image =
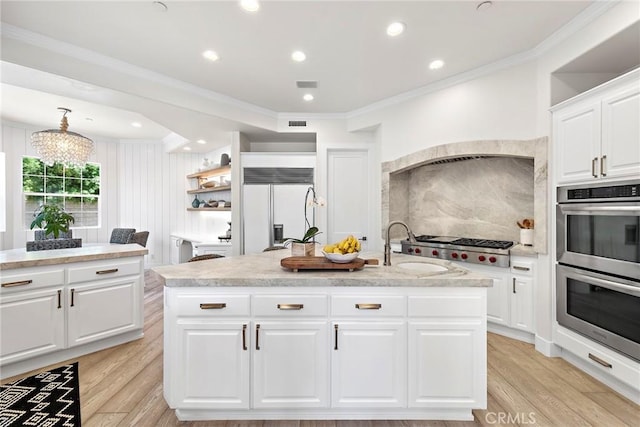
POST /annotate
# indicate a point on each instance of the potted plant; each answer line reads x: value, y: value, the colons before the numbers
x: 54, y: 222
x: 304, y: 246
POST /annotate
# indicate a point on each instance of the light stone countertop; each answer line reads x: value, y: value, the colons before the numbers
x: 264, y: 270
x: 20, y: 258
x: 522, y: 250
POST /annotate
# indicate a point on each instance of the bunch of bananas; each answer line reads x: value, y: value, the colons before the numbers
x: 345, y: 246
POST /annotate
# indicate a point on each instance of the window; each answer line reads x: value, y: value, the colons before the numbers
x: 77, y: 190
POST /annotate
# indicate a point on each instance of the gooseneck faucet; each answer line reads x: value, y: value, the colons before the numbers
x: 387, y: 242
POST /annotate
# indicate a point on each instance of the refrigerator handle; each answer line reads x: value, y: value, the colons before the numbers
x: 271, y: 215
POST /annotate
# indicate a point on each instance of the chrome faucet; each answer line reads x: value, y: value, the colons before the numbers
x: 387, y: 243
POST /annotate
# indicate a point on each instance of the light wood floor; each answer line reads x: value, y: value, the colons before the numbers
x: 122, y: 386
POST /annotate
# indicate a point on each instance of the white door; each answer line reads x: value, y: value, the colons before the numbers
x: 443, y: 371
x: 212, y: 365
x: 577, y: 137
x: 255, y: 217
x: 102, y: 309
x: 348, y: 198
x: 522, y: 303
x: 32, y: 323
x: 369, y: 364
x: 291, y: 367
x: 621, y: 133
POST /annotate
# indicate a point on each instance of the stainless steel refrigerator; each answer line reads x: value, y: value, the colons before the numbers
x: 273, y: 206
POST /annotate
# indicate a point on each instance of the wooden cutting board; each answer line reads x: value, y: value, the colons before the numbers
x: 296, y: 263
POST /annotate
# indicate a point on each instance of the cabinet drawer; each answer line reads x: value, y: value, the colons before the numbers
x: 31, y: 280
x: 446, y: 306
x: 213, y: 305
x: 368, y: 306
x: 103, y: 270
x: 290, y: 305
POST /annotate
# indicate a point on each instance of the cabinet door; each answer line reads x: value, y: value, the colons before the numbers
x: 498, y: 300
x: 32, y: 323
x: 621, y: 133
x: 522, y: 303
x: 368, y: 364
x: 447, y: 364
x: 101, y: 309
x: 577, y: 138
x: 211, y: 365
x: 291, y: 368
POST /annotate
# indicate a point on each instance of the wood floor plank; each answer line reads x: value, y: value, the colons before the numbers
x: 317, y: 423
x: 624, y: 409
x: 111, y: 419
x: 281, y: 423
x: 148, y: 411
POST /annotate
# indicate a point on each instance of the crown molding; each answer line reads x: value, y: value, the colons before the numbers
x: 89, y: 56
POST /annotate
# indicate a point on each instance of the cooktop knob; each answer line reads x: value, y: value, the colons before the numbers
x: 481, y: 258
x: 463, y: 256
x: 492, y: 259
x: 418, y: 250
x: 434, y: 252
x: 410, y: 250
x: 454, y: 255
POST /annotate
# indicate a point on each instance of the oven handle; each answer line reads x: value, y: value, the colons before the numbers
x: 627, y: 289
x: 590, y: 209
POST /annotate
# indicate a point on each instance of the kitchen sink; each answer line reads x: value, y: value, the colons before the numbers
x: 422, y: 267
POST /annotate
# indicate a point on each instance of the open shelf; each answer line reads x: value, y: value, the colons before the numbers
x: 224, y: 170
x: 210, y: 190
x: 208, y: 209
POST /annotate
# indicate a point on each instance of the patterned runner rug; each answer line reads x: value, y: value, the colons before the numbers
x: 46, y: 399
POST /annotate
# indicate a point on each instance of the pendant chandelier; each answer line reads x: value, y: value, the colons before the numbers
x: 62, y: 146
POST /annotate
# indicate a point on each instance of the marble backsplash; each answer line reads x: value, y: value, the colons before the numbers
x: 481, y: 198
x: 500, y: 182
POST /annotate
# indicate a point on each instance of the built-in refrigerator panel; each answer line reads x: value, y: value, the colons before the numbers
x: 256, y: 205
x: 288, y: 210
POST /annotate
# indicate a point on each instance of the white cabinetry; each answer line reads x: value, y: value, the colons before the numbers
x: 327, y: 354
x: 596, y: 134
x: 49, y: 314
x: 521, y: 296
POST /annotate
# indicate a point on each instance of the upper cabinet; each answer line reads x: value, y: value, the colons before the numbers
x: 211, y: 181
x: 597, y: 134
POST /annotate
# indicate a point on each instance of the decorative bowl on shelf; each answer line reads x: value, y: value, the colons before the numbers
x: 341, y: 258
x: 209, y: 184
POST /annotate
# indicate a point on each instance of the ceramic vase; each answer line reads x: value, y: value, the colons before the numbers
x: 303, y: 249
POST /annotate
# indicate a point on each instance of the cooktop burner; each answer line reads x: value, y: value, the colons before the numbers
x: 483, y: 243
x: 463, y: 249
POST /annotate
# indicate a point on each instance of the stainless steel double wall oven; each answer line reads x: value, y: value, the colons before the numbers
x: 598, y: 270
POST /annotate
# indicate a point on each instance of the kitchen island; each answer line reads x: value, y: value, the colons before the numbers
x: 63, y: 303
x: 248, y: 339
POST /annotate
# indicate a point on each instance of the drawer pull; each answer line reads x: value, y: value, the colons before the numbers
x: 514, y: 285
x: 59, y: 298
x: 368, y: 306
x: 258, y: 336
x: 335, y: 328
x: 290, y: 306
x: 112, y: 270
x: 20, y: 283
x: 73, y: 292
x: 600, y: 361
x: 244, y: 337
x: 517, y: 267
x: 213, y: 305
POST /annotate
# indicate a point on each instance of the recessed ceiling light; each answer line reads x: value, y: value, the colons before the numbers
x: 136, y: 124
x: 395, y: 29
x: 307, y: 97
x: 436, y: 64
x: 160, y: 6
x: 298, y: 56
x: 201, y: 141
x: 485, y: 5
x: 210, y: 55
x: 250, y: 5
x: 186, y: 148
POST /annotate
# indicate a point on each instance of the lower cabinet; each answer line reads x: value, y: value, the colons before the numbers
x: 322, y: 355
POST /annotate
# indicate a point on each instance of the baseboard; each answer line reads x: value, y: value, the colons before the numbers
x: 546, y: 347
x: 511, y: 333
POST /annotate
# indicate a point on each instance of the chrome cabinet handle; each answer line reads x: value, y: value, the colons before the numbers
x: 593, y: 167
x: 213, y: 305
x: 112, y: 270
x: 20, y: 283
x: 244, y: 337
x: 59, y: 298
x: 73, y: 291
x: 517, y: 267
x: 258, y: 336
x: 602, y: 165
x: 335, y: 328
x: 514, y: 285
x: 368, y: 306
x: 290, y: 306
x: 600, y: 361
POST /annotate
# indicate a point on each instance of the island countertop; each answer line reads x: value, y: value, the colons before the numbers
x: 264, y: 270
x: 20, y: 258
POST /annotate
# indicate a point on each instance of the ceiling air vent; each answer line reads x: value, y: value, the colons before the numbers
x: 297, y: 123
x: 307, y: 84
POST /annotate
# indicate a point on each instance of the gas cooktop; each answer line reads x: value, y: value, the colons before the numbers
x: 464, y: 249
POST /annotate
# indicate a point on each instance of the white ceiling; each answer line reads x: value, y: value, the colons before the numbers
x: 348, y: 52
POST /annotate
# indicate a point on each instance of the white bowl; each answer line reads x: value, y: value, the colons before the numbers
x: 341, y: 258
